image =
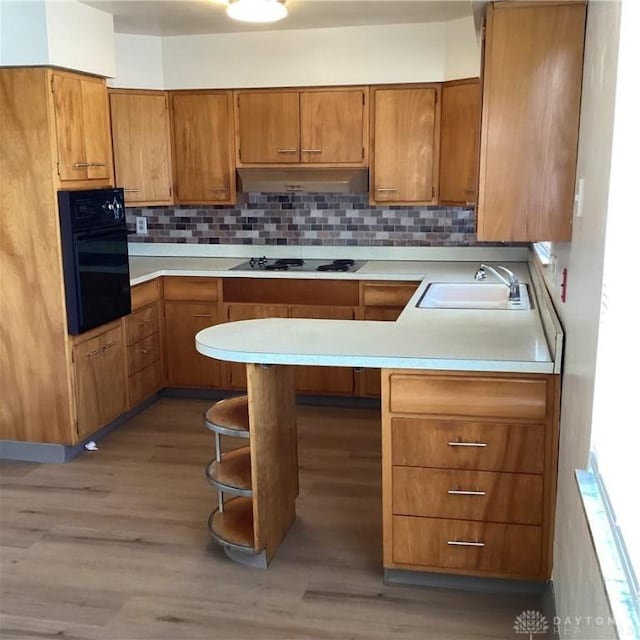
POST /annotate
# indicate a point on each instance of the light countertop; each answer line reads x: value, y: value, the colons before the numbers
x: 445, y: 339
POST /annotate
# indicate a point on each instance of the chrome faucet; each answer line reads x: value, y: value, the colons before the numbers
x: 513, y: 283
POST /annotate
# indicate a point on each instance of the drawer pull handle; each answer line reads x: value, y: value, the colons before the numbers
x: 462, y: 492
x: 386, y: 189
x: 145, y: 351
x: 464, y: 543
x: 81, y: 165
x: 287, y: 150
x: 131, y: 190
x: 457, y: 443
x: 312, y: 151
x: 97, y: 164
x: 203, y: 315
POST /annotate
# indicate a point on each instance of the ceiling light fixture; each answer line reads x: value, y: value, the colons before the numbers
x: 257, y: 10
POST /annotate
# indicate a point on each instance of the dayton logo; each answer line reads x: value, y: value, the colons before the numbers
x: 532, y: 623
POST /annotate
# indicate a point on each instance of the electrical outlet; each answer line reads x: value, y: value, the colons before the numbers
x: 141, y: 225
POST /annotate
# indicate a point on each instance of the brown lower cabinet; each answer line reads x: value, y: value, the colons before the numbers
x: 100, y: 378
x: 469, y: 469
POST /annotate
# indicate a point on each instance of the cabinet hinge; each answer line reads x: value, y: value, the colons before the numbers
x: 363, y: 153
x: 433, y: 192
x: 363, y: 100
x: 53, y: 84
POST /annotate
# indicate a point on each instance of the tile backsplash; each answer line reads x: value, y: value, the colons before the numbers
x: 307, y: 219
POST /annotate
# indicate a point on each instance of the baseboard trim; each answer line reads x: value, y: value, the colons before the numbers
x: 469, y: 583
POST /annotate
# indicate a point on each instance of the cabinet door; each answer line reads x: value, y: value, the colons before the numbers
x: 324, y: 379
x: 140, y: 129
x: 333, y: 126
x: 459, y: 129
x: 100, y: 378
x: 82, y: 128
x: 404, y: 145
x: 240, y: 311
x: 530, y: 116
x: 203, y: 147
x: 185, y: 366
x: 268, y: 127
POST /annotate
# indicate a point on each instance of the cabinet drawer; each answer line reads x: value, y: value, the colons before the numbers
x: 387, y: 295
x: 469, y: 546
x: 496, y: 397
x: 145, y: 293
x: 145, y: 383
x: 143, y: 353
x: 468, y: 495
x: 141, y: 324
x: 468, y: 445
x: 188, y: 288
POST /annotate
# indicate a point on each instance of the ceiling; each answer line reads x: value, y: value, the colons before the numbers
x: 186, y: 17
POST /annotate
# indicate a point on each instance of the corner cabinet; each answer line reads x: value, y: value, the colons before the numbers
x: 324, y: 127
x: 530, y: 117
x: 141, y: 145
x: 82, y: 128
x: 469, y: 472
x: 405, y: 123
x: 203, y: 149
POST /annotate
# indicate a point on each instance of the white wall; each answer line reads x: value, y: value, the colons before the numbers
x: 578, y: 584
x: 61, y: 33
x: 335, y: 56
x: 23, y: 33
x: 332, y: 56
x: 138, y: 62
x: 462, y: 49
x: 80, y: 38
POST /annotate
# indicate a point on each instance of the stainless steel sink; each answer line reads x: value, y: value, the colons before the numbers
x: 472, y: 295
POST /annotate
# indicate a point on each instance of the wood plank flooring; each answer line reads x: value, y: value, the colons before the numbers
x: 114, y: 546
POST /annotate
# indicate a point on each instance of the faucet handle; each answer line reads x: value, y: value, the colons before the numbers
x: 481, y: 274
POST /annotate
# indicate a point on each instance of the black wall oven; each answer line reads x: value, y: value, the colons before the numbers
x: 95, y: 257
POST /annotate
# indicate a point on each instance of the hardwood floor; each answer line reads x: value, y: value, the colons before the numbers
x: 114, y: 546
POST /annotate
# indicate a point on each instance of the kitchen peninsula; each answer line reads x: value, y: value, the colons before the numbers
x: 470, y: 402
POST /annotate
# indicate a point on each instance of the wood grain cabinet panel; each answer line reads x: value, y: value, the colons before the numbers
x: 468, y: 495
x: 532, y: 82
x: 82, y: 127
x: 333, y: 126
x: 143, y: 353
x: 100, y: 377
x: 404, y: 144
x: 142, y: 323
x: 192, y: 289
x: 497, y: 397
x: 469, y: 471
x: 145, y: 293
x: 141, y: 145
x: 453, y: 444
x: 468, y: 547
x: 324, y: 127
x: 185, y: 366
x: 144, y: 383
x: 268, y: 127
x: 203, y: 147
x: 459, y: 140
x: 324, y: 380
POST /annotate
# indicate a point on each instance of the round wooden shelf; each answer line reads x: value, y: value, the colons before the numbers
x: 229, y: 417
x: 234, y: 526
x: 233, y: 473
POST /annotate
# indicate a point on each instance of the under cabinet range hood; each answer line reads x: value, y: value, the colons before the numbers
x: 303, y: 180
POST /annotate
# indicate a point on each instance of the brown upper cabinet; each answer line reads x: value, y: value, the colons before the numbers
x: 141, y: 153
x: 404, y: 144
x: 202, y: 128
x: 530, y: 116
x: 82, y: 127
x: 311, y: 127
x: 459, y: 138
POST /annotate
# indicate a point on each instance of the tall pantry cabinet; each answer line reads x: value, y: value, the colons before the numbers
x: 55, y: 126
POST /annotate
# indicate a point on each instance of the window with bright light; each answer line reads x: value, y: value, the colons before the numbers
x: 616, y: 411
